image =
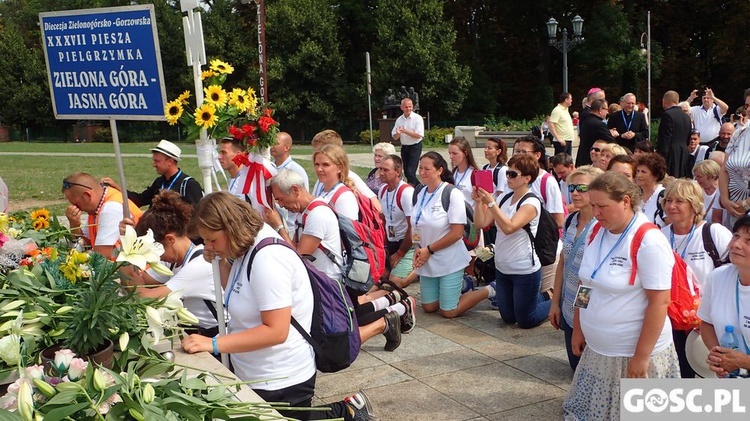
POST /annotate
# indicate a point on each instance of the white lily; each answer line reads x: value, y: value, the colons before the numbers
x: 10, y: 349
x: 155, y: 324
x: 174, y: 301
x: 142, y: 251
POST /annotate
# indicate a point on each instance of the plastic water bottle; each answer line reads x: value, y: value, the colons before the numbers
x: 729, y: 341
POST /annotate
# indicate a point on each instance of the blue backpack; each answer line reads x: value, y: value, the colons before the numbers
x: 334, y: 332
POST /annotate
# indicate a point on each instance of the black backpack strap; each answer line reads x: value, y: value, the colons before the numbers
x: 183, y: 185
x: 527, y: 227
x: 195, y: 254
x: 569, y: 220
x: 496, y: 175
x: 417, y: 189
x: 445, y: 196
x: 505, y: 199
x: 709, y: 245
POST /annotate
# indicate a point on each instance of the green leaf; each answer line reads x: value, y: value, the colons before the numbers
x: 65, y: 411
x: 63, y: 398
x: 6, y: 415
x: 216, y: 393
x: 194, y: 383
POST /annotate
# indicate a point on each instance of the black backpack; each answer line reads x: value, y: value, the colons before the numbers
x: 547, y: 232
x: 471, y: 233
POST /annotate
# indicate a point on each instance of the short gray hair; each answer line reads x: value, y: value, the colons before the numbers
x: 285, y: 179
x: 385, y: 147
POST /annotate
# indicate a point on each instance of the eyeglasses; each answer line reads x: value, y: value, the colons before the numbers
x: 521, y: 152
x: 68, y: 184
x: 580, y: 188
x: 512, y: 173
x: 596, y: 149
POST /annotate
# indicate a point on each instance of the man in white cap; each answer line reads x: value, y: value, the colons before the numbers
x: 165, y: 157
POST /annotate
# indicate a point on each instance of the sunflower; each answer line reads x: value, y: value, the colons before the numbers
x: 215, y: 95
x: 221, y: 67
x: 40, y: 214
x: 252, y: 100
x: 173, y: 111
x: 184, y: 97
x: 207, y: 74
x: 238, y: 98
x: 40, y: 224
x: 205, y: 116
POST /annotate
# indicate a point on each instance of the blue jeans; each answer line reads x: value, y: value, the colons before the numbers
x: 519, y: 300
x: 568, y: 330
x: 410, y: 154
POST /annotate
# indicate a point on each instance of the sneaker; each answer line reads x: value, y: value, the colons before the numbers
x: 468, y: 284
x: 360, y: 407
x: 392, y: 331
x: 409, y: 319
x: 391, y: 286
x: 493, y: 300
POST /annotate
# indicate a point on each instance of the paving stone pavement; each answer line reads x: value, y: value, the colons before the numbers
x: 474, y: 367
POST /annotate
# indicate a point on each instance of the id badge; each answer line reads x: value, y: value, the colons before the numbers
x: 583, y: 295
x: 391, y: 231
x: 415, y: 237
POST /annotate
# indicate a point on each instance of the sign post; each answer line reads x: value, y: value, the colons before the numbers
x: 104, y: 64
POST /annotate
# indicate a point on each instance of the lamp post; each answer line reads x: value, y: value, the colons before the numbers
x: 646, y: 50
x: 566, y: 44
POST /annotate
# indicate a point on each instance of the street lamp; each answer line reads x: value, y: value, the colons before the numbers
x: 566, y: 44
x: 646, y: 50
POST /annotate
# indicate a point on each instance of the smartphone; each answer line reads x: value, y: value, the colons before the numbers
x: 483, y: 179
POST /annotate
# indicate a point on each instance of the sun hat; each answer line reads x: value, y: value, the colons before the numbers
x: 697, y: 353
x: 169, y: 149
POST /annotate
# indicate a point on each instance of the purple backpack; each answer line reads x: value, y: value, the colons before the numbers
x: 334, y: 333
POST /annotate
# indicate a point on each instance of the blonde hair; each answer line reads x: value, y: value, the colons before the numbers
x: 617, y: 186
x: 689, y: 191
x: 614, y: 149
x: 327, y: 137
x: 709, y: 168
x: 338, y: 156
x: 588, y: 170
x: 222, y: 211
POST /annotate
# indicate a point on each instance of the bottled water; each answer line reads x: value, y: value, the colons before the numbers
x: 729, y: 340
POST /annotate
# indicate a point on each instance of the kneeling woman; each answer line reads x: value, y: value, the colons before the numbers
x: 261, y: 301
x: 622, y: 325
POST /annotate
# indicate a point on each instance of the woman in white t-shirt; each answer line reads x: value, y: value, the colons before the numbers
x: 496, y: 153
x: 518, y: 271
x: 706, y: 173
x: 464, y: 164
x: 261, y: 301
x: 192, y: 276
x: 335, y: 187
x: 650, y: 170
x: 621, y: 330
x: 726, y: 302
x: 683, y: 203
x: 440, y: 255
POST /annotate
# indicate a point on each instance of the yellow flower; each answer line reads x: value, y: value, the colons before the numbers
x: 184, y: 97
x: 205, y: 116
x: 221, y: 67
x: 215, y: 95
x: 4, y: 219
x: 252, y: 100
x: 40, y: 214
x: 173, y: 111
x: 207, y: 74
x: 40, y: 224
x: 238, y: 98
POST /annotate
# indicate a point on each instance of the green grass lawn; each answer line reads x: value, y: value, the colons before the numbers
x: 36, y: 179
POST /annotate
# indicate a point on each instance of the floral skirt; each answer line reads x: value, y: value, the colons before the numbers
x: 595, y: 391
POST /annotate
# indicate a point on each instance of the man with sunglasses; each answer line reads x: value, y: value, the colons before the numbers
x: 103, y: 206
x: 593, y: 128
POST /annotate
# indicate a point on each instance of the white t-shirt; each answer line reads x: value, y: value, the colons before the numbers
x: 108, y: 232
x: 431, y: 222
x: 649, y: 206
x: 517, y: 251
x: 413, y: 123
x: 502, y: 179
x: 278, y: 279
x: 359, y: 184
x: 709, y: 202
x: 700, y: 153
x: 321, y: 223
x: 552, y: 198
x: 719, y: 304
x: 195, y: 282
x: 462, y: 181
x: 395, y: 212
x: 705, y: 121
x: 613, y: 320
x: 346, y: 203
x: 692, y: 251
x: 237, y: 184
x: 290, y: 217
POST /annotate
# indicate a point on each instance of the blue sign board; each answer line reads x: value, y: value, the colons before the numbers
x: 104, y: 63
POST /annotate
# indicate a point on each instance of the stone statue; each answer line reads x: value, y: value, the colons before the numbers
x: 414, y: 96
x: 390, y: 99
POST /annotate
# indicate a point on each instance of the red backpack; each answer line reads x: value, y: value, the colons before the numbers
x: 685, y: 294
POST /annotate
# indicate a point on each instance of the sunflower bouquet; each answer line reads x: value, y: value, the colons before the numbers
x: 39, y: 225
x: 236, y: 112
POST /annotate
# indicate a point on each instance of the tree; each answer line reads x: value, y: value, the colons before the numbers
x: 416, y: 48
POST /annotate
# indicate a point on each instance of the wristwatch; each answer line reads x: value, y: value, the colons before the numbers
x: 491, y: 205
x: 279, y: 228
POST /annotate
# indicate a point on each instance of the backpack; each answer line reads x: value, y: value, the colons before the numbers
x: 547, y: 232
x: 685, y: 294
x: 399, y: 193
x: 363, y: 243
x: 543, y: 190
x: 709, y: 246
x: 471, y: 233
x: 334, y: 332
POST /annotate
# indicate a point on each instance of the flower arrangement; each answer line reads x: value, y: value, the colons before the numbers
x: 39, y: 225
x: 237, y: 113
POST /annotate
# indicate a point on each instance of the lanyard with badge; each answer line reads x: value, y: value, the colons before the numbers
x: 415, y: 237
x: 234, y: 281
x: 173, y: 180
x: 584, y: 292
x: 389, y: 204
x: 625, y: 119
x: 458, y: 183
x: 687, y: 242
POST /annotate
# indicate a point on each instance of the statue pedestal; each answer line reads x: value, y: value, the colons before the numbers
x: 4, y: 134
x: 385, y: 125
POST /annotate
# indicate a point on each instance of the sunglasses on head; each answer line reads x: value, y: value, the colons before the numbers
x: 68, y: 184
x: 580, y: 188
x: 512, y: 174
x: 595, y: 149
